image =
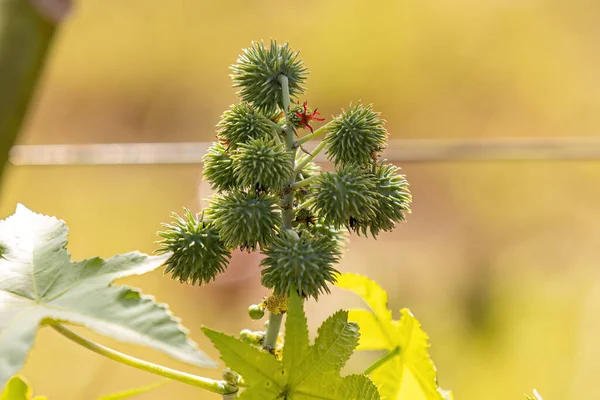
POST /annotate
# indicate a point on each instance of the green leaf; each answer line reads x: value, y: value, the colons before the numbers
x: 18, y: 389
x: 245, y: 359
x: 359, y: 387
x: 335, y: 343
x: 260, y: 392
x: 306, y: 372
x: 409, y: 376
x: 134, y: 392
x: 39, y: 284
x: 296, y: 335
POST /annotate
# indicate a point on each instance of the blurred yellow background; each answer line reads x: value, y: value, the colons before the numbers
x: 498, y: 260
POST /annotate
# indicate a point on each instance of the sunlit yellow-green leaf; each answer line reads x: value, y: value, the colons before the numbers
x: 17, y: 389
x: 372, y: 294
x: 372, y: 332
x: 409, y: 376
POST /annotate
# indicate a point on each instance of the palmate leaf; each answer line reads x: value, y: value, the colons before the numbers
x: 409, y: 376
x: 306, y: 372
x: 39, y: 284
x: 335, y: 343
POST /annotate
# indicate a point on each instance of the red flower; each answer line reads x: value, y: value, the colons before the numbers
x: 306, y: 117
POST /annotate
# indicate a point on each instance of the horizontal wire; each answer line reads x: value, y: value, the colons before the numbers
x: 399, y: 150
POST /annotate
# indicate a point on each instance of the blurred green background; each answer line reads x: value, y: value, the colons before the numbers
x: 498, y: 260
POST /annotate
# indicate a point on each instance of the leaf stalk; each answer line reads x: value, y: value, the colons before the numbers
x: 382, y: 360
x: 315, y: 134
x: 304, y: 182
x: 311, y: 157
x: 220, y: 387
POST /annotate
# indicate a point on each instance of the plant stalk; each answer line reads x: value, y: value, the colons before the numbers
x: 272, y: 331
x: 273, y: 124
x: 288, y: 214
x: 277, y: 129
x: 220, y: 387
x: 27, y: 29
x: 287, y: 205
x: 382, y: 360
x: 305, y: 182
x: 311, y: 157
x: 314, y: 134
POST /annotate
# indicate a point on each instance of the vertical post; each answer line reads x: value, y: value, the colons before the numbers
x: 27, y: 28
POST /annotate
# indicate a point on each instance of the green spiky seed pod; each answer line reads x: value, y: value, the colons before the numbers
x: 198, y: 253
x: 245, y: 220
x: 308, y: 170
x: 218, y: 168
x: 255, y: 311
x: 393, y: 200
x: 304, y: 216
x: 241, y: 123
x: 344, y: 196
x: 262, y: 164
x: 257, y: 70
x: 305, y: 264
x: 355, y: 136
x: 325, y: 232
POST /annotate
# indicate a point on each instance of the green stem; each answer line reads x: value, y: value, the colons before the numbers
x: 276, y: 135
x: 304, y: 182
x: 273, y: 124
x: 26, y: 35
x: 382, y: 360
x: 220, y: 387
x: 311, y: 157
x: 285, y: 93
x: 272, y: 331
x: 307, y: 204
x: 277, y: 129
x: 287, y: 206
x: 314, y: 134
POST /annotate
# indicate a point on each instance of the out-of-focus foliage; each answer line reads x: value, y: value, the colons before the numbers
x: 17, y: 389
x: 536, y: 396
x: 496, y: 255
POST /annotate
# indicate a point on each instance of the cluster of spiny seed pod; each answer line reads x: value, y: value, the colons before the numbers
x: 271, y: 197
